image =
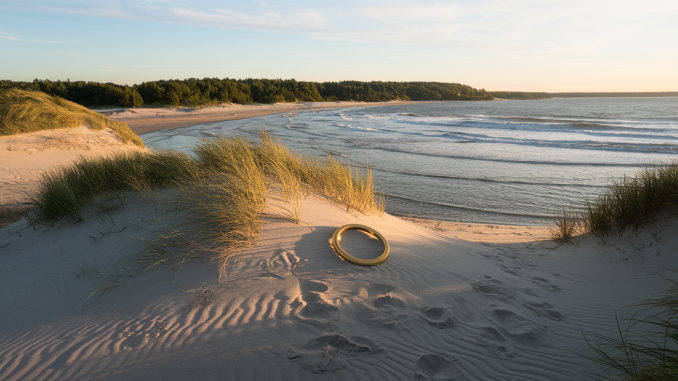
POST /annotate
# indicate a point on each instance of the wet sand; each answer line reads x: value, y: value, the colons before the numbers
x: 146, y: 120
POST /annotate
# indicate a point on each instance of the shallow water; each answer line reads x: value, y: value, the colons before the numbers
x: 513, y: 162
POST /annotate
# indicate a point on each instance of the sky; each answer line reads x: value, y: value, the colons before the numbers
x: 522, y: 45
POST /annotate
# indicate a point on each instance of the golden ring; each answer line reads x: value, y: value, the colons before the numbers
x: 356, y: 261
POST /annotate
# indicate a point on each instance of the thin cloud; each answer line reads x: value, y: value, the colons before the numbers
x: 303, y: 21
x: 576, y: 26
x: 528, y: 25
x: 21, y: 39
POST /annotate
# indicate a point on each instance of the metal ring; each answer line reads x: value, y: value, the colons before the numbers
x: 357, y: 261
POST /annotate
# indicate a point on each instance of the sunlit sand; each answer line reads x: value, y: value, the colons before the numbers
x: 512, y: 306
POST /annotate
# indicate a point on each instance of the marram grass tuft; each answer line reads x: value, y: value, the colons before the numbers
x: 23, y: 111
x: 221, y: 193
x: 629, y: 202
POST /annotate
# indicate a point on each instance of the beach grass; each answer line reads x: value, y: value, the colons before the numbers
x: 65, y: 191
x: 565, y: 226
x: 647, y: 350
x: 221, y: 191
x: 24, y: 111
x: 629, y: 202
x: 652, y: 353
x: 339, y: 181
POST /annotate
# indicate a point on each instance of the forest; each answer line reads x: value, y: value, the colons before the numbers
x: 206, y: 91
x: 88, y: 94
x: 522, y: 95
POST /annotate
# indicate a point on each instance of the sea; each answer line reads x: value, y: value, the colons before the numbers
x: 499, y: 162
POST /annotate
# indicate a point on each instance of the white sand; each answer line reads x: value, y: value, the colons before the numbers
x: 24, y: 158
x: 291, y: 309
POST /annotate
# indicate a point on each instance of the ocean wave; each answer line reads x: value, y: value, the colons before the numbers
x: 344, y: 117
x: 545, y: 124
x: 486, y: 180
x: 372, y: 117
x: 594, y: 145
x: 500, y: 160
x: 356, y: 127
x: 291, y: 127
x: 574, y: 119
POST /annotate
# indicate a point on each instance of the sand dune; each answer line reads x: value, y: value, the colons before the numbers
x: 24, y: 158
x: 289, y: 308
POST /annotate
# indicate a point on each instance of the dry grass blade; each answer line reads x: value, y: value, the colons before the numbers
x: 221, y: 194
x: 627, y: 203
x: 565, y: 226
x: 64, y: 191
x: 651, y: 354
x: 23, y: 111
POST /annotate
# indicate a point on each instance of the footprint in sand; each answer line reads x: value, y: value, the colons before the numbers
x: 513, y: 270
x: 287, y: 259
x: 438, y: 317
x: 388, y: 301
x: 544, y: 309
x: 436, y: 367
x: 518, y: 328
x: 509, y: 332
x: 385, y: 297
x: 493, y: 287
x: 495, y: 340
x: 314, y: 294
x: 332, y: 352
x: 545, y: 284
x: 141, y: 333
x: 380, y: 289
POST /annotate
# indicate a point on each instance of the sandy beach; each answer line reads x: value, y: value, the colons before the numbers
x: 452, y: 302
x: 485, y: 232
x: 145, y: 120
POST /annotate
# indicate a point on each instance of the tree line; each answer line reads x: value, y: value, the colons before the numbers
x: 89, y: 94
x: 522, y: 95
x: 196, y: 92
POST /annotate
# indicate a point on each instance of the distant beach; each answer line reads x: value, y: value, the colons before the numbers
x: 145, y: 120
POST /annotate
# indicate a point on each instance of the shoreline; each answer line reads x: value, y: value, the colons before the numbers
x: 14, y: 206
x: 146, y: 120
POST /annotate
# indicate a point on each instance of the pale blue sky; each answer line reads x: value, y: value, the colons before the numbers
x: 533, y: 45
